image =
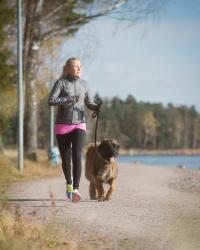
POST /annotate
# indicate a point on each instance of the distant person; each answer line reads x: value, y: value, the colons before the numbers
x: 70, y: 93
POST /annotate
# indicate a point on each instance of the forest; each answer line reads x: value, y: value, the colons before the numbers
x: 148, y: 125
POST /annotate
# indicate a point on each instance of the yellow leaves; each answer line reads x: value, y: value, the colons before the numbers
x: 49, y: 48
x: 8, y: 100
x: 46, y: 62
x: 150, y: 123
x: 42, y: 90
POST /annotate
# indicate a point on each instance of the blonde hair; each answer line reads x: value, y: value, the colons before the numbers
x: 68, y: 64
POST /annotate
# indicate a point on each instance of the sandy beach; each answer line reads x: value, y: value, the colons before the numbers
x: 152, y: 208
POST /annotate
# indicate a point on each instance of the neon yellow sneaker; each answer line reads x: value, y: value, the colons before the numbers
x: 69, y: 191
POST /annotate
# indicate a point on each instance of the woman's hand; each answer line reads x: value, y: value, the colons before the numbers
x: 98, y: 107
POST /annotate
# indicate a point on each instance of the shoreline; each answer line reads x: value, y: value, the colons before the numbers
x: 170, y: 152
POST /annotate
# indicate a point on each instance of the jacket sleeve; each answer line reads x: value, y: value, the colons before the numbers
x: 89, y: 104
x: 55, y: 98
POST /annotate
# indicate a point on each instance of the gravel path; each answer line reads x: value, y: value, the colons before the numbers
x: 147, y: 211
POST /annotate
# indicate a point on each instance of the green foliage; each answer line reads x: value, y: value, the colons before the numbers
x: 6, y: 17
x: 149, y: 125
x: 7, y: 70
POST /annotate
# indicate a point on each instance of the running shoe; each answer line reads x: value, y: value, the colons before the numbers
x: 76, y: 196
x: 69, y: 191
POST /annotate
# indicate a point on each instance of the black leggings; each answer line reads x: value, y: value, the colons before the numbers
x: 70, y: 146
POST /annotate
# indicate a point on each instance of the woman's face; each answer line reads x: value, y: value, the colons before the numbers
x: 74, y: 69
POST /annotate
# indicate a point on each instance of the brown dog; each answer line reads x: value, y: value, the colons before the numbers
x: 101, y: 167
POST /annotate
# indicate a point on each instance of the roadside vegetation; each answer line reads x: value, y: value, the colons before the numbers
x: 32, y: 170
x: 17, y: 232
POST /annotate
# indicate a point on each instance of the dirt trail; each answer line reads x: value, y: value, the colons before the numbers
x: 145, y: 212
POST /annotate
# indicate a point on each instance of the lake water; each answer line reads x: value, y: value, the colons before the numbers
x: 160, y: 160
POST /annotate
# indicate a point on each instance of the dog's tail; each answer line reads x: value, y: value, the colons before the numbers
x: 89, y: 162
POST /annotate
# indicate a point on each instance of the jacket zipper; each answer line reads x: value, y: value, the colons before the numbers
x: 75, y: 88
x: 74, y: 102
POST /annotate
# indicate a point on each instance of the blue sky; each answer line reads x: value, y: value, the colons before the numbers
x: 156, y: 60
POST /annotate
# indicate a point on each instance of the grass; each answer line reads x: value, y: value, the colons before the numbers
x: 17, y: 232
x: 32, y: 170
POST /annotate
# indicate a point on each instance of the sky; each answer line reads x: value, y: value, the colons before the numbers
x: 156, y: 60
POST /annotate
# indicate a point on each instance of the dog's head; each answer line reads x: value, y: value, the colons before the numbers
x: 108, y: 148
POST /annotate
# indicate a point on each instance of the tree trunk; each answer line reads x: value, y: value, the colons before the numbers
x: 31, y: 37
x: 186, y: 131
x: 195, y: 134
x: 31, y: 104
x: 31, y: 120
x: 2, y: 151
x: 145, y: 140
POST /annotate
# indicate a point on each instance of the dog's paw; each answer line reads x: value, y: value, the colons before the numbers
x: 107, y: 198
x: 93, y: 198
x: 102, y: 198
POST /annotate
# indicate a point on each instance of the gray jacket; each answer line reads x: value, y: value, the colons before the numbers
x: 70, y: 94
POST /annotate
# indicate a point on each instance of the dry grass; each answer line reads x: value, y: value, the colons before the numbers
x: 8, y: 173
x: 16, y: 232
x: 32, y: 170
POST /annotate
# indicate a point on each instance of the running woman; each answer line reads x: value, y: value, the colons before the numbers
x: 70, y: 94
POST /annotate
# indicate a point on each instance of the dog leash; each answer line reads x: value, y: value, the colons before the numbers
x: 96, y: 114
